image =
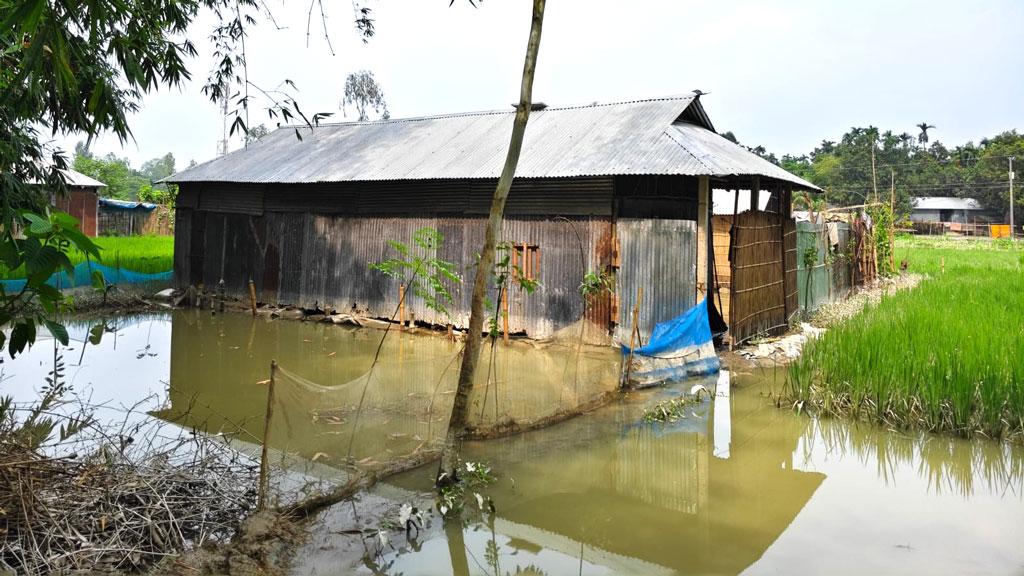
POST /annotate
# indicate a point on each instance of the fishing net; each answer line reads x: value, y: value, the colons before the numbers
x: 82, y: 276
x: 398, y: 407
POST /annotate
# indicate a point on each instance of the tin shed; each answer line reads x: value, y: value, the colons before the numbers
x: 622, y: 188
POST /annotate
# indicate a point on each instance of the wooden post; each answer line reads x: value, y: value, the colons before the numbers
x: 504, y: 313
x: 264, y: 464
x: 401, y: 306
x: 733, y: 232
x: 703, y: 201
x: 515, y: 262
x: 526, y: 262
x: 784, y: 214
x: 633, y: 332
x: 755, y: 194
x: 252, y: 296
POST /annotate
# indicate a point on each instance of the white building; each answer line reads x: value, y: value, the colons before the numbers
x: 945, y: 209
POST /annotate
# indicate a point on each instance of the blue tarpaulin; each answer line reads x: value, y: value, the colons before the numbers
x: 82, y: 276
x: 126, y: 204
x: 678, y: 349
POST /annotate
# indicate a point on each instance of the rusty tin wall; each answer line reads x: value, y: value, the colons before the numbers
x: 322, y: 261
x: 660, y: 257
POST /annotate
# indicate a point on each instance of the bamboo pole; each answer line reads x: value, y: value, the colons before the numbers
x: 526, y: 262
x: 633, y: 332
x: 264, y: 464
x: 252, y: 296
x: 401, y: 306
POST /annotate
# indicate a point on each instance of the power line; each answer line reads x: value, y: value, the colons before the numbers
x: 934, y: 161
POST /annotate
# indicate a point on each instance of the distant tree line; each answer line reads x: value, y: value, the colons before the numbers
x: 127, y: 183
x: 914, y: 165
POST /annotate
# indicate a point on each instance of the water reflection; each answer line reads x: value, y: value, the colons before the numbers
x: 334, y: 404
x: 606, y: 495
x: 738, y: 485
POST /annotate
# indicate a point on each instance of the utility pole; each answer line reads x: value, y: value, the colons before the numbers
x: 874, y: 176
x: 892, y: 222
x: 222, y: 146
x: 1012, y: 236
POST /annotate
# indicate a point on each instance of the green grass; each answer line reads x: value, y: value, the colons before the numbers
x: 146, y: 254
x: 945, y: 356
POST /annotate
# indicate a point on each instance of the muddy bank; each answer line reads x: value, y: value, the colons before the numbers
x: 780, y: 351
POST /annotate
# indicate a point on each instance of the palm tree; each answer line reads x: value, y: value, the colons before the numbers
x: 923, y: 136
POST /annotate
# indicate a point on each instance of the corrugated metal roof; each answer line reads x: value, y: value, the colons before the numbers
x: 74, y: 178
x: 946, y: 203
x: 638, y: 137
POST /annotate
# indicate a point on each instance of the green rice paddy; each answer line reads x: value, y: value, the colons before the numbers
x: 145, y: 254
x: 945, y: 356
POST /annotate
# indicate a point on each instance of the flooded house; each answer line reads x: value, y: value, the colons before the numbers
x: 623, y: 189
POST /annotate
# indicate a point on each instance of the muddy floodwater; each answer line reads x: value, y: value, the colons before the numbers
x: 737, y: 485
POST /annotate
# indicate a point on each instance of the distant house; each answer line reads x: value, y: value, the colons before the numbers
x: 934, y: 209
x: 624, y: 189
x: 81, y: 200
x: 130, y: 218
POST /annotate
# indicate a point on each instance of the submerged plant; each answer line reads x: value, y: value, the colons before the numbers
x: 676, y: 408
x: 472, y: 476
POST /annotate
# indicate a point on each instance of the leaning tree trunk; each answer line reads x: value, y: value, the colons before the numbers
x: 474, y: 342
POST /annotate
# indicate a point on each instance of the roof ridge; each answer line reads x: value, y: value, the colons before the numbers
x: 490, y: 112
x: 687, y: 150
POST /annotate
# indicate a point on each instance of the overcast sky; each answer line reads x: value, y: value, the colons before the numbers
x: 784, y: 74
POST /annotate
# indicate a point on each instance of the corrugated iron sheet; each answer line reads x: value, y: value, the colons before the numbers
x: 74, y: 178
x: 710, y: 154
x: 660, y: 257
x: 322, y: 261
x: 639, y: 137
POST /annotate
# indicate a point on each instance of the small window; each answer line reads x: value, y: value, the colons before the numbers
x: 526, y: 261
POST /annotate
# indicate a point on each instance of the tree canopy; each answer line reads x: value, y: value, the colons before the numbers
x: 915, y: 165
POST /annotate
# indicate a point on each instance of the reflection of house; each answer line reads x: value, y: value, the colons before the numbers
x: 947, y: 209
x: 624, y: 188
x: 80, y: 200
x: 662, y: 495
x: 128, y: 218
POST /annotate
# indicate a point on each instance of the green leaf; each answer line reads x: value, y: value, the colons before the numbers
x: 38, y: 225
x: 98, y: 281
x: 83, y: 243
x: 20, y: 337
x: 57, y: 330
x: 96, y: 334
x: 64, y: 220
x: 46, y: 260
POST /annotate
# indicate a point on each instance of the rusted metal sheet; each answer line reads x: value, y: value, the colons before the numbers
x: 660, y: 257
x: 323, y: 261
x: 82, y: 204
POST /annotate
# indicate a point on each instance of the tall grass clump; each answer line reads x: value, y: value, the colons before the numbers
x: 947, y: 356
x: 145, y: 254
